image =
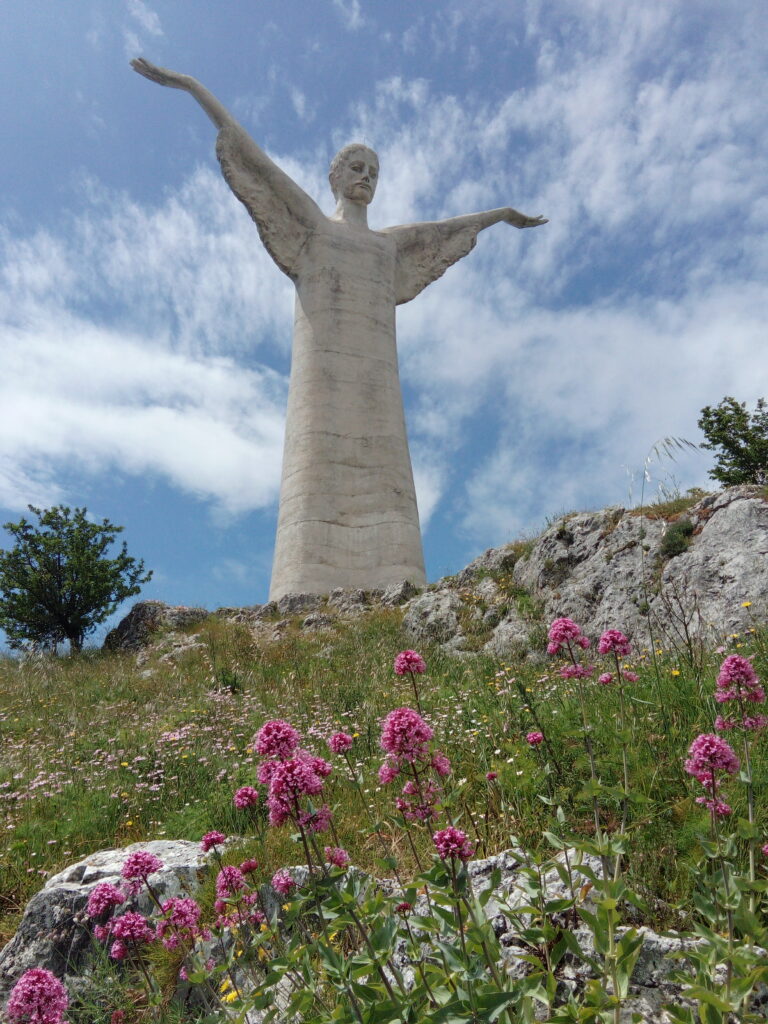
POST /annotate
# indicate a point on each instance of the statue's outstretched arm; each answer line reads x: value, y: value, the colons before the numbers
x: 426, y: 250
x: 479, y: 221
x: 285, y: 215
x: 174, y: 80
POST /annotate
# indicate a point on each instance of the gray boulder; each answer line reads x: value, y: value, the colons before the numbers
x: 52, y: 932
x: 145, y: 619
x: 433, y: 617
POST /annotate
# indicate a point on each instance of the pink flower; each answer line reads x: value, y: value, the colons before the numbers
x: 337, y: 856
x: 738, y: 680
x: 103, y: 897
x: 388, y: 772
x: 404, y: 908
x: 709, y: 754
x: 229, y: 881
x: 631, y: 677
x: 181, y: 915
x: 249, y: 866
x: 441, y: 764
x: 340, y: 742
x: 535, y: 738
x: 212, y: 839
x: 410, y: 661
x: 38, y: 997
x: 118, y: 950
x: 405, y: 734
x: 452, y: 842
x: 560, y: 632
x: 289, y: 780
x: 132, y: 927
x: 276, y: 739
x: 614, y: 642
x: 245, y: 797
x: 715, y: 805
x: 748, y: 722
x: 316, y: 821
x: 140, y: 865
x: 764, y: 850
x: 492, y: 776
x: 418, y: 800
x: 576, y: 671
x: 283, y: 882
x: 605, y: 679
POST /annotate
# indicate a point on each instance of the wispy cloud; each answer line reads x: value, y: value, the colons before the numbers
x: 351, y: 13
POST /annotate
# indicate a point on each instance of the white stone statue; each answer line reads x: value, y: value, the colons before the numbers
x: 348, y: 515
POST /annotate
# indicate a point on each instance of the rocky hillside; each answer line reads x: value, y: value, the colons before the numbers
x: 685, y: 571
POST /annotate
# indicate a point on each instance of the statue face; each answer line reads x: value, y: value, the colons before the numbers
x: 357, y: 176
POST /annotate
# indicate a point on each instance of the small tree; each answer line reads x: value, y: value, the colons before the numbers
x: 57, y: 583
x: 740, y: 439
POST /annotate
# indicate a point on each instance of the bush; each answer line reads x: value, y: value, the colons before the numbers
x: 57, y: 583
x: 740, y: 439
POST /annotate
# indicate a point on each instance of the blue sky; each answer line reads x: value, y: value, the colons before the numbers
x: 146, y: 335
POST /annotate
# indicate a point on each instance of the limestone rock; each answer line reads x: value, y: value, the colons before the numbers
x: 51, y: 933
x: 348, y: 602
x: 511, y: 635
x: 293, y: 604
x: 398, y: 593
x: 602, y: 568
x: 433, y: 617
x: 147, y: 618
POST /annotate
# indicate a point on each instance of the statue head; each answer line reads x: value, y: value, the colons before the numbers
x: 354, y: 173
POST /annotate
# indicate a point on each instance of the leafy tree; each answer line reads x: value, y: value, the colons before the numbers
x: 740, y: 439
x: 57, y: 583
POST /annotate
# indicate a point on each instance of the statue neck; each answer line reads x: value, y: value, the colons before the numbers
x: 354, y: 214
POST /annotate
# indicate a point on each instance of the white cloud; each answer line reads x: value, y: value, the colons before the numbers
x: 145, y: 16
x: 351, y: 13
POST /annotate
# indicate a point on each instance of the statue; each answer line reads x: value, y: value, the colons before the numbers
x: 348, y: 515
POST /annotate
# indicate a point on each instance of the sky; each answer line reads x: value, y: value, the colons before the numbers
x: 145, y: 335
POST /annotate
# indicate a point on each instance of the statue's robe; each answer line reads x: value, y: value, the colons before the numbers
x: 347, y: 515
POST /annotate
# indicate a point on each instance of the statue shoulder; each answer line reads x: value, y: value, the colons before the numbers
x: 284, y: 214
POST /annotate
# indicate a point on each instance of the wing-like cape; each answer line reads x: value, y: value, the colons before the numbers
x: 285, y: 215
x: 426, y: 250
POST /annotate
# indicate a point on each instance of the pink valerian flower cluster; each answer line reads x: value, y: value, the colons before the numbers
x: 614, y: 642
x: 290, y: 774
x: 576, y: 671
x: 452, y: 843
x: 290, y: 780
x: 737, y: 681
x: 138, y: 866
x: 405, y: 738
x: 405, y: 735
x: 337, y: 856
x: 318, y: 820
x: 235, y: 901
x: 131, y: 927
x: 276, y: 739
x: 283, y: 882
x: 418, y: 800
x: 246, y: 796
x: 37, y: 997
x: 104, y: 897
x: 410, y: 661
x: 563, y: 633
x: 709, y: 758
x: 211, y: 840
x: 534, y: 738
x: 340, y: 742
x: 179, y: 923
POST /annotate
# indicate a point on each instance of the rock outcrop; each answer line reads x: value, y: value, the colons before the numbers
x: 147, y: 618
x: 679, y: 575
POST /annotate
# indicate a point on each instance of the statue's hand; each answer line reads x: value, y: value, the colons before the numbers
x: 161, y: 75
x: 519, y: 220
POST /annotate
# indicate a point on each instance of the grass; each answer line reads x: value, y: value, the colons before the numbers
x: 100, y: 752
